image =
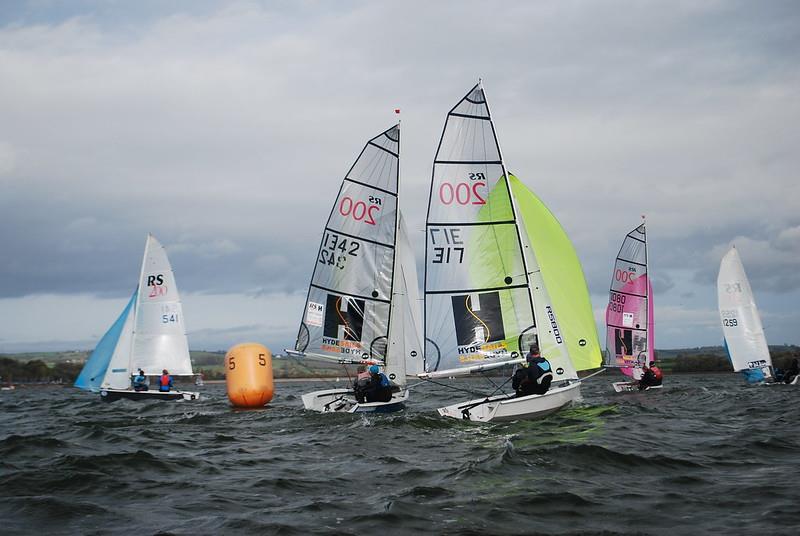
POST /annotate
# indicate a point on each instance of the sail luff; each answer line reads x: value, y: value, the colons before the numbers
x: 388, y: 357
x: 138, y: 300
x: 651, y: 332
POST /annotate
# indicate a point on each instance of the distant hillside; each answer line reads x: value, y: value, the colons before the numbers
x: 65, y: 366
x: 718, y: 350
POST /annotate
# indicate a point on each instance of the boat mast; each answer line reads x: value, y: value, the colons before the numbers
x: 515, y: 212
x: 651, y: 352
x: 394, y: 252
x: 136, y: 305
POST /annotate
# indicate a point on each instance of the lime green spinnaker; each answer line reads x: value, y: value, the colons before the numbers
x: 563, y: 276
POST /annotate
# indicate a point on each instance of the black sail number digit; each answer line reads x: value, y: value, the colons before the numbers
x: 337, y: 249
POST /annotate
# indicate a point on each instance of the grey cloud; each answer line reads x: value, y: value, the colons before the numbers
x: 225, y: 130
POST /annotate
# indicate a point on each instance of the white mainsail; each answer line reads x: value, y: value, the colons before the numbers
x: 741, y: 323
x: 159, y: 337
x: 362, y: 268
x: 486, y: 300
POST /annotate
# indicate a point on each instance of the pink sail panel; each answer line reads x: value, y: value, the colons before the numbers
x: 629, y: 314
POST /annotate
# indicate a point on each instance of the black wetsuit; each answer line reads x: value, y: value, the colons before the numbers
x: 379, y: 389
x: 534, y: 379
x: 793, y: 371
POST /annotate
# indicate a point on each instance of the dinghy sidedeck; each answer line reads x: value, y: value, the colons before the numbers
x: 111, y: 395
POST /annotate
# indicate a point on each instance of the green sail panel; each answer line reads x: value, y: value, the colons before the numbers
x: 563, y: 276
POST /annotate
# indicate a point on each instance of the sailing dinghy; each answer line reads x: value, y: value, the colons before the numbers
x: 363, y: 301
x: 744, y: 337
x: 148, y: 335
x: 629, y: 315
x: 500, y: 275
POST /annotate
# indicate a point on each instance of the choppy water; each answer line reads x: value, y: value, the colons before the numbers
x: 706, y: 455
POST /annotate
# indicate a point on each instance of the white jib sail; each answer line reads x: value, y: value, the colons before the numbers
x: 741, y: 324
x: 118, y: 373
x: 404, y: 356
x: 159, y: 337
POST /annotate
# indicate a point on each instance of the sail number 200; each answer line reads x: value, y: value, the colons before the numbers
x: 359, y: 210
x: 463, y: 193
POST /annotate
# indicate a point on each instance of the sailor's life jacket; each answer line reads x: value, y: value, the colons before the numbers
x: 361, y: 385
x: 657, y: 374
x: 165, y: 382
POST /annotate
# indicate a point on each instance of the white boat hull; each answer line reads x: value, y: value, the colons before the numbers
x: 508, y: 408
x: 344, y: 401
x: 110, y: 395
x: 631, y: 387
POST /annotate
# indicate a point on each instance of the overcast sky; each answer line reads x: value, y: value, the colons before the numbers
x: 225, y: 129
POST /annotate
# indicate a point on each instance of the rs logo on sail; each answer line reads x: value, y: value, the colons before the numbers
x: 156, y: 285
x: 554, y: 325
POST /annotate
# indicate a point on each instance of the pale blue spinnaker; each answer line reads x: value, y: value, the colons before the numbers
x: 91, y: 377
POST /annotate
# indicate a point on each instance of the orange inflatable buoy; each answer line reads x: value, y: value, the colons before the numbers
x: 248, y: 375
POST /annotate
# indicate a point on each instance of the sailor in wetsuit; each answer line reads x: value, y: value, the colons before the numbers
x: 361, y: 384
x: 165, y: 382
x: 651, y: 376
x: 140, y: 381
x: 379, y: 388
x: 534, y: 377
x: 792, y: 372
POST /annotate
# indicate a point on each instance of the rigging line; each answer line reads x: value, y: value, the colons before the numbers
x: 498, y: 387
x: 468, y: 391
x: 298, y: 359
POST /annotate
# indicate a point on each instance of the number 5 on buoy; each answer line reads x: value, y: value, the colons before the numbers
x: 248, y: 375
